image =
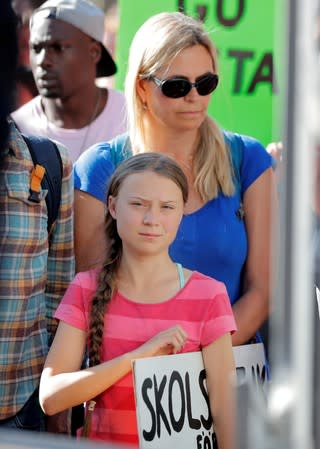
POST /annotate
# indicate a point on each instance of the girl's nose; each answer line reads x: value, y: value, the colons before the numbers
x: 150, y: 217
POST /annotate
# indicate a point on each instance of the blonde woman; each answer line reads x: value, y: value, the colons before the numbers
x: 225, y: 231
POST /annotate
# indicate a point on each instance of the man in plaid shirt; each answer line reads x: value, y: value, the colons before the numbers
x: 33, y: 277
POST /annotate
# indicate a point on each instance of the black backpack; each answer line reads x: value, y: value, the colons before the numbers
x: 45, y: 152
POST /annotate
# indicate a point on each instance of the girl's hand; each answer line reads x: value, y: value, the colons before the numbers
x: 169, y: 341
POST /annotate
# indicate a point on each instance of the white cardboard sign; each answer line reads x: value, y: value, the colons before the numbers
x: 251, y: 365
x: 172, y: 401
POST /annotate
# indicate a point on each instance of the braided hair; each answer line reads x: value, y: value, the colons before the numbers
x: 156, y: 163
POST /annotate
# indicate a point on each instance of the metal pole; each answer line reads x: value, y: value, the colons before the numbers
x: 286, y: 421
x: 290, y: 399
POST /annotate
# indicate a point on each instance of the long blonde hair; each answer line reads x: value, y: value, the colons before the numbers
x: 157, y: 42
x: 154, y: 162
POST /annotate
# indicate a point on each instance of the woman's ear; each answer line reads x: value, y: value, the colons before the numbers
x: 141, y: 89
x: 112, y: 207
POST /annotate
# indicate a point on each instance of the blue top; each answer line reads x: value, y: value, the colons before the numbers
x: 211, y: 240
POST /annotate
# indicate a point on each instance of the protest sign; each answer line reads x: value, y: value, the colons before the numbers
x: 172, y: 401
x: 251, y: 365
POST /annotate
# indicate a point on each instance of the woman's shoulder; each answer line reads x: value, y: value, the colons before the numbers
x: 249, y: 157
x: 96, y: 153
x: 238, y: 143
x: 95, y: 166
x: 101, y: 153
x: 93, y: 169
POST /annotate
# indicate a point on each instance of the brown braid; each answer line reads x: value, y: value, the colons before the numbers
x: 105, y: 289
x: 106, y: 286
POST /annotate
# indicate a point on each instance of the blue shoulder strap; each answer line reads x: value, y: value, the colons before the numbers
x: 235, y: 145
x: 120, y: 148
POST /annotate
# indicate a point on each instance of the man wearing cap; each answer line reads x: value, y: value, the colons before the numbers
x: 67, y: 54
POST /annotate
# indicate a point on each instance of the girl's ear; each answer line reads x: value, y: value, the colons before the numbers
x: 112, y: 207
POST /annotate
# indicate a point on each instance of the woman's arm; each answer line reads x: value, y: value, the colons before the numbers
x: 220, y: 370
x: 89, y: 235
x: 252, y: 309
x: 63, y: 385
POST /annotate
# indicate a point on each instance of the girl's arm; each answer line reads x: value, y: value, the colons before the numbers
x: 63, y: 385
x: 252, y: 309
x: 220, y: 370
x: 89, y: 235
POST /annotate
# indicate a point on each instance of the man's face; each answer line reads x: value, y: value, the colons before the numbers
x: 62, y: 58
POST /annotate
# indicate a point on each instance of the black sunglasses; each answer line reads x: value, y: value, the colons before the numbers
x: 180, y: 87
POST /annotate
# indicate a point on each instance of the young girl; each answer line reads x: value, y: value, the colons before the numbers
x: 140, y: 304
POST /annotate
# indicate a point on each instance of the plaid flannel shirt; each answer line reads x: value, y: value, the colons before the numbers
x: 33, y: 276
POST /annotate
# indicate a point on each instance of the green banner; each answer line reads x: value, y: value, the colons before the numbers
x: 243, y: 32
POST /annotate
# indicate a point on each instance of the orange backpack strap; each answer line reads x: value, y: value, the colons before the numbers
x: 36, y: 177
x: 47, y: 173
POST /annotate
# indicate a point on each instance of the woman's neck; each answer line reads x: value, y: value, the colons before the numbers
x: 179, y: 146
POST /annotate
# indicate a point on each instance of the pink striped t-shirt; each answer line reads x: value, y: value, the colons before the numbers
x: 201, y: 307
